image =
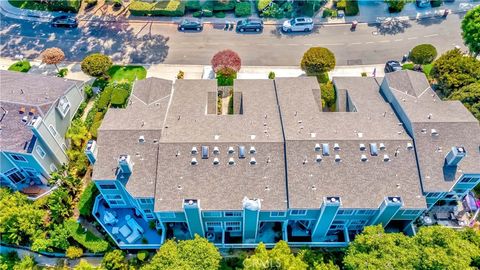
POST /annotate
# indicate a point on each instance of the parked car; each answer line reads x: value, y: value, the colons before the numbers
x: 250, y: 25
x: 423, y: 3
x: 190, y: 24
x: 301, y: 24
x: 392, y: 66
x: 64, y: 21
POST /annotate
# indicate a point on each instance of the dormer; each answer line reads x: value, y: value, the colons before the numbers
x: 63, y: 106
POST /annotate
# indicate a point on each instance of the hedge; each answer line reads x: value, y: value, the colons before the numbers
x: 207, y: 9
x: 20, y: 66
x: 120, y: 94
x: 243, y: 9
x: 65, y: 5
x: 262, y: 4
x: 193, y: 5
x: 172, y: 8
x: 352, y: 8
x: 436, y: 3
x: 87, y: 199
x: 87, y: 239
x: 103, y: 100
x: 423, y: 54
x: 224, y: 5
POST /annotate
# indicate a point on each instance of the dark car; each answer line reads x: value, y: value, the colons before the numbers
x: 392, y: 66
x: 190, y: 24
x: 250, y: 25
x: 64, y: 21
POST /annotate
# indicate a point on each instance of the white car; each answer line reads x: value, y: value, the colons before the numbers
x: 301, y: 24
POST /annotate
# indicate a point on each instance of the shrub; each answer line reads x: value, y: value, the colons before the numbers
x: 87, y: 239
x: 193, y: 5
x: 226, y: 62
x: 470, y: 97
x: 114, y: 260
x: 328, y: 94
x: 94, y: 129
x: 74, y: 252
x: 423, y: 54
x: 223, y: 5
x: 87, y: 199
x: 436, y: 3
x: 273, y: 11
x: 180, y: 75
x: 323, y: 78
x: 342, y: 4
x: 364, y: 74
x: 20, y: 66
x: 327, y: 13
x: 81, y: 109
x: 104, y: 98
x: 395, y: 6
x: 62, y: 72
x: 243, y: 9
x: 219, y: 15
x: 142, y: 255
x: 352, y: 8
x: 262, y: 4
x: 88, y: 89
x: 197, y: 14
x: 317, y: 60
x: 230, y: 105
x: 271, y: 75
x: 91, y: 3
x: 96, y: 65
x: 207, y: 9
x: 408, y: 66
x: 226, y: 80
x: 120, y: 94
x: 172, y: 8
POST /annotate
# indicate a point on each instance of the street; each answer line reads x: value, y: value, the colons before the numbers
x: 148, y: 43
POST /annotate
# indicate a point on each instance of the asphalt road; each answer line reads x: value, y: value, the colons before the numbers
x: 148, y: 43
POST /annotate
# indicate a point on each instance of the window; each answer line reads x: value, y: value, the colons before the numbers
x: 460, y: 191
x: 64, y: 147
x: 148, y: 213
x: 233, y: 226
x: 108, y: 186
x: 213, y: 225
x: 31, y: 172
x: 233, y: 214
x: 277, y: 214
x: 40, y: 151
x: 52, y: 131
x: 212, y: 214
x: 113, y: 196
x: 53, y: 168
x: 15, y: 176
x: 410, y: 212
x: 356, y: 225
x: 18, y: 158
x: 469, y: 180
x: 338, y: 222
x: 365, y: 212
x: 116, y: 202
x: 434, y: 195
x: 63, y: 106
x: 298, y: 212
x: 345, y: 212
x: 146, y: 201
x: 167, y: 215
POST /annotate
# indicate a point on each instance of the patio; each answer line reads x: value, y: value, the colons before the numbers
x: 177, y: 230
x: 270, y: 232
x: 299, y: 231
x: 125, y: 227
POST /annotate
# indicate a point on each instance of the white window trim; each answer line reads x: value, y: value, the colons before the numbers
x: 40, y: 150
x: 52, y: 130
x: 21, y: 158
x: 302, y: 212
x: 63, y: 111
x: 212, y: 214
x: 100, y: 186
x: 283, y: 214
x: 233, y: 214
x: 233, y: 224
x: 167, y: 215
x: 53, y: 168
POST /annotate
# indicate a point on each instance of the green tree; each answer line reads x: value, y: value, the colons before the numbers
x: 328, y: 94
x: 96, y: 65
x: 189, y: 254
x: 317, y: 60
x: 60, y: 204
x: 20, y: 219
x: 78, y: 133
x: 73, y: 252
x: 395, y: 6
x: 280, y: 257
x: 471, y: 30
x: 470, y: 97
x: 27, y: 263
x: 453, y: 70
x: 8, y: 260
x: 423, y: 54
x: 59, y: 237
x: 84, y: 265
x: 115, y: 260
x: 375, y: 249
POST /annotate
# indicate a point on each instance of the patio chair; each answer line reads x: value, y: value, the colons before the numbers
x: 125, y: 231
x: 134, y: 237
x: 134, y: 225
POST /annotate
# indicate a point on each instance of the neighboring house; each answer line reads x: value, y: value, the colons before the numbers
x: 36, y: 112
x: 446, y: 136
x: 281, y: 167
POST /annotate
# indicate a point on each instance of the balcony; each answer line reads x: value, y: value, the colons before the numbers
x: 270, y: 232
x: 125, y: 228
x: 177, y: 230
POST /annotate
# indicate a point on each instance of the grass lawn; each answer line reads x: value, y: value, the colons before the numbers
x: 426, y: 68
x: 126, y: 73
x: 20, y: 66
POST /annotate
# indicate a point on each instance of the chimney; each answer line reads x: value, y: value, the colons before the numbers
x: 125, y: 164
x: 455, y: 156
x: 91, y: 151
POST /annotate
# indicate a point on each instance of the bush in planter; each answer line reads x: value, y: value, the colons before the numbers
x: 271, y: 75
x: 262, y: 4
x: 352, y: 8
x: 436, y: 3
x: 423, y: 54
x: 172, y: 8
x: 226, y: 62
x: 62, y: 72
x: 219, y: 14
x: 395, y: 6
x: 243, y: 9
x: 223, y: 5
x: 328, y: 94
x: 193, y: 5
x: 317, y: 60
x: 226, y: 80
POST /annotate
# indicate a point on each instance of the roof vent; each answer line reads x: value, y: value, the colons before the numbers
x: 252, y: 137
x: 305, y: 160
x: 360, y: 134
x: 434, y: 132
x: 362, y: 147
x: 364, y: 158
x: 216, y: 150
x: 231, y: 161
x: 337, y: 158
x: 141, y: 139
x: 231, y: 150
x: 313, y: 135
x: 216, y: 161
x: 269, y: 160
x: 317, y: 147
x: 373, y: 149
x: 252, y: 150
x: 25, y: 119
x: 194, y: 150
x: 318, y: 158
x: 194, y: 161
x: 325, y: 149
x: 204, y: 152
x: 386, y: 158
x: 409, y: 146
x: 216, y: 137
x: 382, y: 146
x: 253, y: 161
x: 336, y: 146
x: 241, y: 152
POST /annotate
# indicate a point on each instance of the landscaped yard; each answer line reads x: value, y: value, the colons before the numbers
x: 58, y: 5
x: 20, y: 66
x: 426, y: 68
x: 126, y: 73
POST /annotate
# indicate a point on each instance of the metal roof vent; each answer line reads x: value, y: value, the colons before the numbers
x: 382, y: 146
x: 336, y: 146
x: 25, y: 119
x: 434, y: 132
x: 386, y: 158
x: 241, y: 152
x: 216, y: 150
x: 362, y: 147
x: 364, y: 158
x: 194, y: 150
x: 231, y: 150
x: 337, y: 158
x: 204, y: 152
x: 216, y: 161
x: 325, y: 149
x: 252, y: 150
x: 373, y: 149
x: 141, y: 139
x: 305, y: 160
x: 317, y: 147
x: 318, y: 158
x: 194, y: 161
x: 424, y: 130
x: 409, y: 146
x: 231, y: 161
x: 253, y: 161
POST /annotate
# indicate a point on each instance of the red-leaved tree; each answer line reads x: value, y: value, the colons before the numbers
x: 226, y: 62
x: 53, y: 56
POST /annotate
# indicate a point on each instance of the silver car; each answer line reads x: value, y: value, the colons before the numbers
x: 300, y: 24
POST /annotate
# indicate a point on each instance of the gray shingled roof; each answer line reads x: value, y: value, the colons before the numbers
x: 455, y: 125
